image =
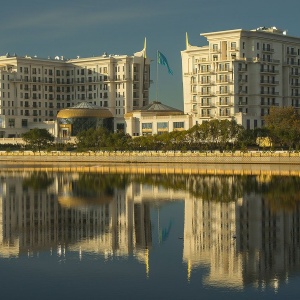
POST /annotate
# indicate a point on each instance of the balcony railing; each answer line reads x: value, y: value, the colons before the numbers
x: 224, y: 103
x: 226, y: 92
x: 269, y: 93
x: 269, y: 71
x: 291, y: 53
x: 270, y: 60
x: 203, y: 71
x: 268, y: 50
x: 225, y: 70
x: 269, y: 104
x: 206, y: 104
x: 269, y: 82
x: 206, y: 94
x: 295, y: 84
x: 242, y: 81
x: 223, y: 115
x: 228, y: 81
x: 206, y: 82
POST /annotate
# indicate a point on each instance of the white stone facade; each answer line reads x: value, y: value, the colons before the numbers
x: 33, y: 90
x: 138, y: 123
x: 240, y: 74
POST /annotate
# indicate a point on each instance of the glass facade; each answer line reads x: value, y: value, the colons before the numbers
x: 80, y: 124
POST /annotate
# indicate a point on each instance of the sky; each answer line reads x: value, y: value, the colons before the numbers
x: 91, y: 27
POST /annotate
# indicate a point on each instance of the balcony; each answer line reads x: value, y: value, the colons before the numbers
x: 224, y: 103
x: 243, y: 81
x: 295, y: 84
x: 291, y: 53
x: 268, y: 50
x: 225, y: 81
x: 225, y: 70
x: 224, y: 115
x: 273, y: 71
x: 206, y: 116
x: 209, y: 94
x: 205, y: 104
x: 269, y: 82
x: 242, y: 92
x: 242, y: 69
x: 269, y: 104
x: 240, y: 58
x: 224, y: 93
x: 291, y: 63
x: 242, y: 103
x: 215, y: 50
x: 271, y: 93
x: 207, y: 83
x: 204, y: 71
x: 270, y: 60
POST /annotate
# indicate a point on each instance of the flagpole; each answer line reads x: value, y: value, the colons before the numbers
x: 156, y: 75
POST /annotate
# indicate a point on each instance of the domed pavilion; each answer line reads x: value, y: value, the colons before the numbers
x: 81, y: 117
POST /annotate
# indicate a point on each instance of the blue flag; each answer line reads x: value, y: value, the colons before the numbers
x: 161, y: 59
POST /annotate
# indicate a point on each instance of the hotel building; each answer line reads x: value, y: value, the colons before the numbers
x: 34, y: 90
x: 240, y: 74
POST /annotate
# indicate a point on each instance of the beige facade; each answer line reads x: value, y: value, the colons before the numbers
x: 156, y: 118
x: 240, y: 74
x: 33, y: 90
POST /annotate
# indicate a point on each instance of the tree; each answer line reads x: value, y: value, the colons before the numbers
x: 38, y: 138
x: 93, y: 139
x: 283, y: 124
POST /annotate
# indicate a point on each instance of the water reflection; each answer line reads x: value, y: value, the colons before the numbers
x: 243, y: 229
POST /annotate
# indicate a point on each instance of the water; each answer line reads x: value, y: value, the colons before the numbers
x: 78, y: 235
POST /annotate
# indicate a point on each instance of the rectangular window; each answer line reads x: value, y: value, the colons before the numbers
x: 248, y: 124
x: 24, y: 123
x: 146, y: 125
x: 177, y: 125
x: 162, y: 125
x: 11, y: 123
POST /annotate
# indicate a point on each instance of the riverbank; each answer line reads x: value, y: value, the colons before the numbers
x: 152, y: 157
x: 152, y: 168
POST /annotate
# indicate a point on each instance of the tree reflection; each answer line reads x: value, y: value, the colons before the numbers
x: 38, y: 181
x: 282, y: 193
x: 93, y: 184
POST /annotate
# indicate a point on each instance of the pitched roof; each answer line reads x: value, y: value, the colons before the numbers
x: 85, y: 105
x: 157, y: 106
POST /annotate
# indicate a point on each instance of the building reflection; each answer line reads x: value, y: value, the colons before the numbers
x: 69, y: 215
x: 231, y: 227
x: 241, y: 242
